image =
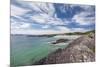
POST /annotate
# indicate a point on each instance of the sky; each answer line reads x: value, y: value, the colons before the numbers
x: 39, y: 18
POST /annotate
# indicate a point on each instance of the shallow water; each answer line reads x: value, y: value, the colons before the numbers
x: 27, y: 50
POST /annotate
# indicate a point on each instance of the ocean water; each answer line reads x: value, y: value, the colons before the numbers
x: 27, y: 50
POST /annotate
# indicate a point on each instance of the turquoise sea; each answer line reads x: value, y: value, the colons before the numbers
x: 27, y: 50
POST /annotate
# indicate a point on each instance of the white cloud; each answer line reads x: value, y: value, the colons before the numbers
x: 47, y: 8
x: 46, y: 19
x: 62, y: 28
x: 45, y: 26
x: 82, y: 18
x: 87, y: 7
x: 35, y: 32
x: 80, y: 29
x: 20, y: 25
x: 40, y: 18
x: 46, y: 15
x: 15, y: 11
x: 47, y: 31
x: 25, y: 25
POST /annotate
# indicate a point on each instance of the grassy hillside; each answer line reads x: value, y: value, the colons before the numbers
x: 80, y: 33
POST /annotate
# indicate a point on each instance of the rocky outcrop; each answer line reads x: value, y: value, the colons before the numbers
x: 60, y: 41
x: 80, y: 50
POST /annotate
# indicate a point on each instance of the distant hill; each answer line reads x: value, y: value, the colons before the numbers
x: 80, y: 33
x: 51, y: 35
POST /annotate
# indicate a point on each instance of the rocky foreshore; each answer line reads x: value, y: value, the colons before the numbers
x: 81, y: 49
x: 60, y: 41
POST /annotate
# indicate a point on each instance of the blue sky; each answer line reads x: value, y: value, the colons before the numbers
x: 50, y: 18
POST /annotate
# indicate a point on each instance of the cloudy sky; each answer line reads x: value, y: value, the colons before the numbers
x: 50, y: 18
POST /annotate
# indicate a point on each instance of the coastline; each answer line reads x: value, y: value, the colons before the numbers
x: 81, y: 49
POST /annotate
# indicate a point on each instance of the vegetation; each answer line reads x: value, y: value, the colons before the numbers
x: 80, y: 33
x: 81, y: 49
x: 51, y: 35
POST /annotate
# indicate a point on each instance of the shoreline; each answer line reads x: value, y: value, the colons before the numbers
x: 81, y: 49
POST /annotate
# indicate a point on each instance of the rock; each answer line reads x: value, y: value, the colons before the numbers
x: 60, y: 41
x: 80, y: 50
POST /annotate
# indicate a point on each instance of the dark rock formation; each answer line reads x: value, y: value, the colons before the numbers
x: 60, y: 41
x: 80, y: 50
